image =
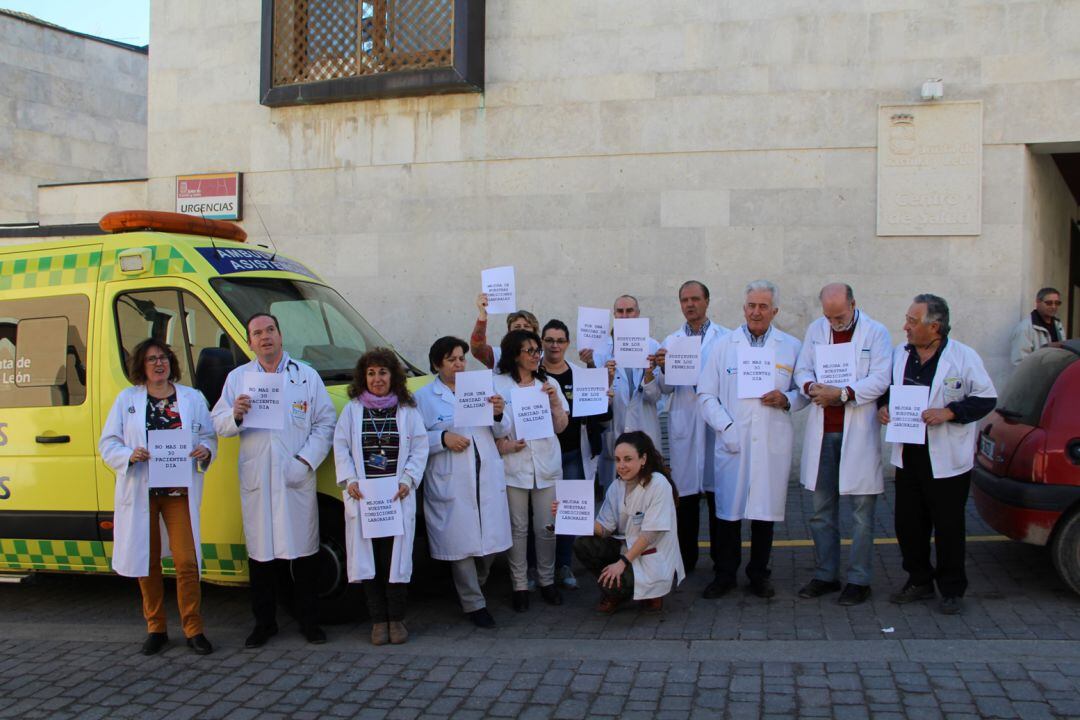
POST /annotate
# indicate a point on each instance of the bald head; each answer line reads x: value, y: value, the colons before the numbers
x: 838, y: 305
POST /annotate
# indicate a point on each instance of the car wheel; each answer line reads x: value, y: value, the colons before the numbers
x: 339, y: 600
x: 1065, y: 550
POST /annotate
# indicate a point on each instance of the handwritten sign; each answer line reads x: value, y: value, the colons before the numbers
x: 471, y: 392
x: 835, y: 364
x: 575, y: 512
x: 532, y: 414
x: 170, y: 465
x: 380, y: 513
x: 267, y: 410
x: 906, y: 406
x: 632, y: 342
x: 590, y: 391
x: 498, y: 285
x: 682, y: 364
x: 757, y: 370
x: 593, y: 328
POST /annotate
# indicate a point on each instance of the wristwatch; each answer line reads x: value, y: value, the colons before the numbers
x: 844, y: 397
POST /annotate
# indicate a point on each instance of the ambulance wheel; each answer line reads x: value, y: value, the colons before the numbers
x: 339, y: 600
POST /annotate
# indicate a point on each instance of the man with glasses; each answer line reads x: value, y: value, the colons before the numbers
x: 1039, y: 329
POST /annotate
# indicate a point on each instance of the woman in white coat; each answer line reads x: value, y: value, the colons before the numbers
x: 380, y: 438
x: 150, y: 523
x: 465, y: 506
x: 634, y: 551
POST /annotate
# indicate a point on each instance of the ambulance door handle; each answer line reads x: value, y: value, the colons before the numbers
x: 52, y: 439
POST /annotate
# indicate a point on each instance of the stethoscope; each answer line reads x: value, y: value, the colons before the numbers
x: 292, y: 372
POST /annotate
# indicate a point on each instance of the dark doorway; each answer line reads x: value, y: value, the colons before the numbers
x: 1074, y: 282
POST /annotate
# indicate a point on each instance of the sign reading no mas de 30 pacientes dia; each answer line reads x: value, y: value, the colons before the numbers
x: 215, y: 197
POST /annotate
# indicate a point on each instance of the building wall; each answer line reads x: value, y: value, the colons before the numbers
x: 627, y: 145
x: 72, y: 109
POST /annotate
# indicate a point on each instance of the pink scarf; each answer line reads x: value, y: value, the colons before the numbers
x: 374, y: 402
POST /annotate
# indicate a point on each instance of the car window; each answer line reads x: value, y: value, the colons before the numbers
x: 1025, y: 393
x: 43, y: 351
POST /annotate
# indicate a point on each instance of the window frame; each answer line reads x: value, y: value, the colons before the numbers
x: 465, y: 73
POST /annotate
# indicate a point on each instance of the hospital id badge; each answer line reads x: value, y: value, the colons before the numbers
x: 377, y: 461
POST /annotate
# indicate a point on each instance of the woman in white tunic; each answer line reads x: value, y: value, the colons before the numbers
x: 634, y: 551
x: 380, y: 439
x: 151, y: 523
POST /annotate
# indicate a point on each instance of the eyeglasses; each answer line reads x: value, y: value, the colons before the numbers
x: 157, y: 359
x: 1050, y: 302
x: 556, y: 341
x: 533, y: 352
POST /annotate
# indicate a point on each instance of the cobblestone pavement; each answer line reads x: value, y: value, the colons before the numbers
x: 68, y: 648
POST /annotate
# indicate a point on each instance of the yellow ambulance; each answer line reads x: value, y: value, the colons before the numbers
x: 71, y: 311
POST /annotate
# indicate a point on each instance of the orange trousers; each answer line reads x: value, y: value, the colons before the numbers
x: 174, y: 511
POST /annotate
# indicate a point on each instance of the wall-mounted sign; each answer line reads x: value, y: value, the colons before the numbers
x: 215, y: 197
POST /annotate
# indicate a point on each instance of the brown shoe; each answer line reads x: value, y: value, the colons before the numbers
x: 653, y: 605
x: 608, y: 606
x: 380, y: 634
x: 398, y: 633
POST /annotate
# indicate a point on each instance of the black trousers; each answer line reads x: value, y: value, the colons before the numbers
x: 268, y: 578
x: 925, y: 505
x: 596, y: 553
x: 729, y: 549
x: 688, y: 518
x: 385, y: 600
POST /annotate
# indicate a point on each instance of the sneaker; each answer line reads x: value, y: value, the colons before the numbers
x: 551, y: 594
x: 482, y: 618
x: 912, y: 593
x: 398, y: 632
x: 763, y: 588
x: 154, y: 643
x: 608, y: 606
x: 817, y: 588
x: 533, y: 579
x: 951, y: 605
x: 200, y: 645
x: 260, y: 635
x: 718, y: 588
x: 380, y: 633
x: 564, y: 576
x: 854, y: 594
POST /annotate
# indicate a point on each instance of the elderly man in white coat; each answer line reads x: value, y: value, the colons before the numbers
x: 753, y: 458
x: 692, y: 443
x: 277, y: 478
x: 933, y: 477
x: 841, y: 452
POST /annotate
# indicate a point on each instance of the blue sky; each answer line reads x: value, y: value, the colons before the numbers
x: 124, y: 20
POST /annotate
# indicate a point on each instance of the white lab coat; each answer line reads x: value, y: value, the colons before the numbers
x: 277, y: 491
x: 466, y: 516
x: 125, y: 430
x: 646, y: 509
x: 959, y: 374
x: 637, y: 412
x: 753, y: 455
x: 689, y: 438
x: 539, y: 463
x: 349, y: 463
x: 860, y: 450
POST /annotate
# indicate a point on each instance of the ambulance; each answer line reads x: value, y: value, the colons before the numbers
x: 72, y: 311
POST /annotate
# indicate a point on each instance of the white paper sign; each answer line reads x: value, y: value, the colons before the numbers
x: 682, y: 364
x: 757, y: 370
x: 380, y: 513
x: 906, y: 406
x: 267, y: 409
x: 471, y: 392
x: 835, y: 364
x: 532, y: 414
x: 575, y: 512
x: 593, y: 328
x: 170, y: 465
x: 632, y: 342
x: 498, y: 285
x: 590, y: 391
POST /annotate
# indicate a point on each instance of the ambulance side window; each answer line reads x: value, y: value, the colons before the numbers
x: 43, y: 351
x: 212, y: 350
x: 151, y: 313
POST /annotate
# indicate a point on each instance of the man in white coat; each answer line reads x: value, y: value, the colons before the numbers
x: 277, y: 478
x: 841, y: 452
x: 1039, y: 329
x: 933, y: 477
x: 692, y: 443
x: 754, y: 433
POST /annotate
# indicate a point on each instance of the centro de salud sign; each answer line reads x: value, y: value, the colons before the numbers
x: 214, y: 197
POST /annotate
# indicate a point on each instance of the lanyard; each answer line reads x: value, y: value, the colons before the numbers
x: 379, y: 431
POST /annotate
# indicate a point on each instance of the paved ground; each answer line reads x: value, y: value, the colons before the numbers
x: 68, y: 648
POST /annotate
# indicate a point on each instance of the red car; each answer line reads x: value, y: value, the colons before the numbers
x: 1026, y: 480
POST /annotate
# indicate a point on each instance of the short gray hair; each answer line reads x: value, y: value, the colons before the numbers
x: 937, y: 310
x: 1041, y: 295
x: 764, y: 285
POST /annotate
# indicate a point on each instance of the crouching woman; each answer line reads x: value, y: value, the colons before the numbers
x: 634, y: 552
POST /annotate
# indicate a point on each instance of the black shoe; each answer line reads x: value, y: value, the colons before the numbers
x: 482, y: 618
x: 521, y: 600
x: 154, y: 643
x: 200, y: 645
x: 260, y: 635
x: 854, y: 594
x: 912, y: 593
x: 313, y: 634
x: 817, y: 588
x: 718, y: 588
x: 951, y: 605
x: 551, y: 594
x: 762, y: 587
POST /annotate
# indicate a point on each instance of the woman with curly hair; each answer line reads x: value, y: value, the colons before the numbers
x: 381, y: 436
